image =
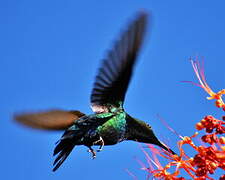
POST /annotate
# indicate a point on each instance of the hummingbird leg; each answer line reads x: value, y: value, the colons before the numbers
x: 101, y: 145
x: 92, y: 151
x: 101, y: 141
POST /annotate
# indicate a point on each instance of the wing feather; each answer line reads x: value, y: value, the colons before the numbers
x: 49, y: 120
x: 114, y: 74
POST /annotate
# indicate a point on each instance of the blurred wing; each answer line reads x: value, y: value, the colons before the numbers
x: 49, y: 120
x: 113, y: 76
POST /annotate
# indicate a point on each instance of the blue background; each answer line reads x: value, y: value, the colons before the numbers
x: 50, y: 52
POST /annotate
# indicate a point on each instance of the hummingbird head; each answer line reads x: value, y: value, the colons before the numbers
x: 139, y: 130
x: 142, y: 132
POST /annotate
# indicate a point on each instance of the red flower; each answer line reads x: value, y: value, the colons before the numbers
x: 207, y: 159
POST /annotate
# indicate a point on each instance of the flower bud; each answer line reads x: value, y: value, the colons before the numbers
x: 209, y: 129
x: 201, y: 172
x: 218, y: 103
x: 199, y: 126
x: 213, y: 165
x: 204, y: 122
x: 209, y: 118
x: 205, y: 138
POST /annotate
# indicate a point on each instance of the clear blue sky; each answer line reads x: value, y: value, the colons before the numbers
x: 50, y: 51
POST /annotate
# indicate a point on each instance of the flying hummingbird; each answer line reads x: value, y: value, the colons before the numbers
x: 110, y: 123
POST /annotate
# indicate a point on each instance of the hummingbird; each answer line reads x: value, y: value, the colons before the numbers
x: 110, y: 123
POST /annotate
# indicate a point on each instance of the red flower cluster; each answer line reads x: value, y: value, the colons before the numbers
x: 210, y: 123
x: 208, y: 159
x: 205, y: 162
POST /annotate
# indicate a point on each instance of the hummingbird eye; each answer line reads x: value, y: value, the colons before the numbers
x: 148, y: 125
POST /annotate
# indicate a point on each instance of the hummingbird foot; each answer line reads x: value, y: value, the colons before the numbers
x: 91, y: 150
x: 101, y: 142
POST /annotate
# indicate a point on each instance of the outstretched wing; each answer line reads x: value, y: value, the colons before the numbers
x: 49, y: 120
x: 113, y: 76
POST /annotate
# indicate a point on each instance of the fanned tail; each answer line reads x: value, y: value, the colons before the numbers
x: 63, y: 149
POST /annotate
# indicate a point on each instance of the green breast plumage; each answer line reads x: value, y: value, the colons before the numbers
x: 113, y: 131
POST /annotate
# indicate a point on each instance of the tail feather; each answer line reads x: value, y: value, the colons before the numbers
x: 64, y: 147
x: 60, y: 146
x: 62, y: 156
